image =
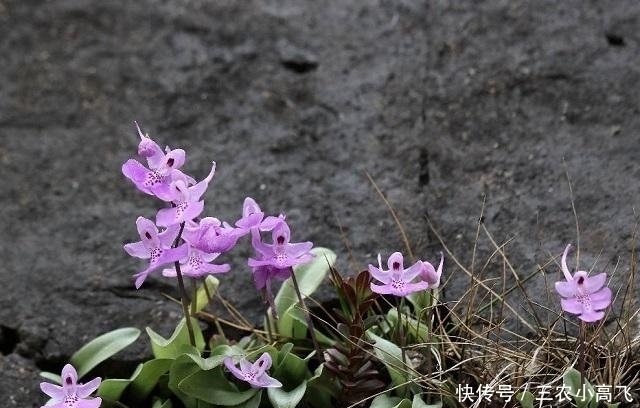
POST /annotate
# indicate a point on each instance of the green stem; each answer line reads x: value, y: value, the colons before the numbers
x: 183, y: 292
x: 400, y: 334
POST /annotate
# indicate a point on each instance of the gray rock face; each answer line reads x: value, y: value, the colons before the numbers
x: 451, y: 108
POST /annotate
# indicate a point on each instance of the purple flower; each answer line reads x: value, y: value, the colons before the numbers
x: 430, y: 275
x: 253, y: 217
x: 211, y: 235
x: 157, y: 247
x: 197, y: 264
x: 253, y: 373
x: 71, y: 394
x: 397, y: 280
x: 262, y: 276
x: 156, y: 179
x: 149, y: 149
x: 282, y: 253
x: 185, y: 198
x: 583, y: 295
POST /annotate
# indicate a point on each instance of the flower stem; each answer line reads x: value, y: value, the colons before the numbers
x: 183, y: 292
x: 400, y: 335
x: 312, y: 330
x: 582, y: 353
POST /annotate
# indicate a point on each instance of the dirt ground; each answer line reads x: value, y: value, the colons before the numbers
x: 452, y: 107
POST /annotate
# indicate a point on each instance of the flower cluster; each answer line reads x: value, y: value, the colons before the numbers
x: 179, y: 235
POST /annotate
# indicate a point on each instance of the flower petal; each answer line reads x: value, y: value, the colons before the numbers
x: 591, y: 316
x: 137, y: 173
x: 137, y: 249
x: 382, y: 276
x: 566, y: 289
x: 395, y: 262
x: 199, y: 189
x: 415, y: 287
x: 384, y: 289
x: 56, y: 392
x: 228, y: 362
x: 412, y: 272
x: 601, y: 299
x: 594, y: 283
x: 571, y: 305
x: 265, y: 381
x: 84, y: 390
x: 565, y: 270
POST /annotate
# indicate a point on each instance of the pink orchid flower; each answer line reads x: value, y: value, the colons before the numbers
x: 583, y: 295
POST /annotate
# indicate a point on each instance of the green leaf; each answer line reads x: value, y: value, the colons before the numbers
x: 583, y: 395
x: 112, y: 388
x: 174, y: 346
x: 419, y: 403
x: 160, y: 404
x: 385, y: 401
x: 146, y: 376
x: 287, y: 399
x: 101, y: 348
x: 391, y: 356
x: 289, y: 368
x: 51, y: 377
x: 526, y: 399
x: 309, y: 277
x: 254, y: 402
x: 202, y: 299
x: 299, y: 326
x: 213, y: 387
x: 181, y: 368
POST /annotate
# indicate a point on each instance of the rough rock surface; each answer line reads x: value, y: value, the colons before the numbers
x: 448, y: 105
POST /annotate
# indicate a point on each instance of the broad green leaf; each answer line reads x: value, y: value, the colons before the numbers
x: 385, y: 401
x: 526, y: 399
x: 146, y: 376
x: 418, y: 331
x: 173, y: 347
x: 202, y: 299
x: 391, y: 356
x: 290, y: 369
x: 51, y: 377
x: 112, y: 388
x: 299, y: 327
x: 419, y: 403
x: 583, y: 394
x: 213, y: 387
x: 309, y: 277
x: 287, y: 399
x: 181, y: 368
x: 254, y: 402
x: 101, y: 348
x: 160, y: 404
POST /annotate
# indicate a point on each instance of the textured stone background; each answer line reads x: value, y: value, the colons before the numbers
x: 446, y: 104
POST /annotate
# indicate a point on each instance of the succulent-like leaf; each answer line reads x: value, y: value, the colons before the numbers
x: 101, y: 348
x: 174, y: 346
x: 280, y: 398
